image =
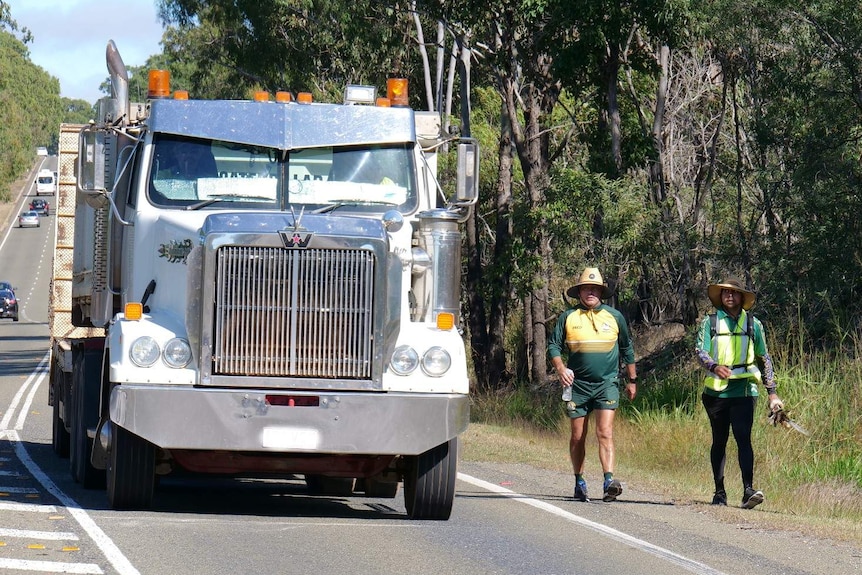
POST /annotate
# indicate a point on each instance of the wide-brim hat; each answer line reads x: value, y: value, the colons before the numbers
x: 590, y: 276
x: 731, y: 283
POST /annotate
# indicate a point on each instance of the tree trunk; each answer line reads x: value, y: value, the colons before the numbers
x: 498, y: 374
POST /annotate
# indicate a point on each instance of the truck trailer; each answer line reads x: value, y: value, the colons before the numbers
x: 265, y: 287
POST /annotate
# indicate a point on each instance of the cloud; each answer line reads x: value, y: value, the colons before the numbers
x: 70, y: 37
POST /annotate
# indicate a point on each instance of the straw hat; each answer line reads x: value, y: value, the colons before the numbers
x: 592, y: 277
x: 731, y: 283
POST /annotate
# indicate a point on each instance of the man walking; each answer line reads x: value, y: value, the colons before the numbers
x: 596, y: 338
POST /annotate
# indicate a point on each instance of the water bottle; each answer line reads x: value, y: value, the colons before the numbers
x: 567, y: 391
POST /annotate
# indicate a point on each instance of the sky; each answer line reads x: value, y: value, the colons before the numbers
x: 70, y: 37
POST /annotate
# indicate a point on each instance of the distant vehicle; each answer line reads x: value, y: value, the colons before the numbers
x: 8, y: 304
x: 45, y: 182
x: 28, y: 220
x: 41, y: 206
x: 41, y: 151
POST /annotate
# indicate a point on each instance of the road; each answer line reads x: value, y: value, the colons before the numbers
x: 507, y: 519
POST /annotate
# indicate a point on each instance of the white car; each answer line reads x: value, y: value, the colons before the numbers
x: 29, y: 219
x: 41, y: 151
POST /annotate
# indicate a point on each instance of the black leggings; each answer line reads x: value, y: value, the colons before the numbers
x: 726, y: 413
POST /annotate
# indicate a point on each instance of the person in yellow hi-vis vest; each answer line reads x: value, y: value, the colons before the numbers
x: 731, y: 346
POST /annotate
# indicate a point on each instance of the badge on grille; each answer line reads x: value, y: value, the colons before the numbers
x: 295, y: 239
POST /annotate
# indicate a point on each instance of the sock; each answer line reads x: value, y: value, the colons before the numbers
x: 608, y: 476
x: 579, y: 476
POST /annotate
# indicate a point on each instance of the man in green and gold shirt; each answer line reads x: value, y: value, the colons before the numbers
x: 597, y: 340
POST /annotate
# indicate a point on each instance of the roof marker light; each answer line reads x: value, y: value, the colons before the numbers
x: 159, y: 84
x: 304, y: 98
x: 396, y: 91
x: 282, y: 96
x: 181, y: 95
x: 261, y: 96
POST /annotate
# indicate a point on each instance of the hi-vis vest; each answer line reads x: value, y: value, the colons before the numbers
x: 734, y: 349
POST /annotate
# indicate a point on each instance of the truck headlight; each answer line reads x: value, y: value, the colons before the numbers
x: 178, y: 353
x: 144, y: 351
x: 404, y: 360
x: 436, y: 362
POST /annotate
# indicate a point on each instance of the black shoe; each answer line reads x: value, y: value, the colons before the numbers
x: 719, y: 498
x: 751, y: 498
x: 613, y: 489
x: 581, y: 490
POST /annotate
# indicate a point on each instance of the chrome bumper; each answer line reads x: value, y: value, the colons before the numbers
x: 231, y: 420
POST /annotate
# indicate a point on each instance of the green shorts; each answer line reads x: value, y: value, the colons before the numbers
x: 589, y: 396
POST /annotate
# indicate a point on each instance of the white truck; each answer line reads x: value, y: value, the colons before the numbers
x: 261, y: 288
x: 45, y: 183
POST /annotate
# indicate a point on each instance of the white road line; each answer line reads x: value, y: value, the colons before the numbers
x: 684, y: 562
x: 112, y: 553
x: 29, y: 507
x: 47, y: 535
x: 18, y: 490
x: 50, y: 566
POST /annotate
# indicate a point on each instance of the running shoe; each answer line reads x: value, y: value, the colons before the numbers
x: 613, y: 488
x: 719, y: 498
x: 581, y: 491
x: 751, y: 498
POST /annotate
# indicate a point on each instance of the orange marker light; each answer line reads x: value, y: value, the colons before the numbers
x: 396, y: 91
x: 261, y: 96
x: 159, y: 84
x: 445, y: 320
x: 283, y: 96
x: 383, y: 103
x: 181, y: 95
x: 304, y: 98
x: 134, y: 311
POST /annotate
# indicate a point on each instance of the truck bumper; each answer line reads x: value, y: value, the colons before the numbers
x: 340, y: 423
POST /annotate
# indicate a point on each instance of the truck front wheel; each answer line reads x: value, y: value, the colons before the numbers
x: 59, y: 433
x: 86, y: 377
x: 429, y: 482
x: 131, y: 470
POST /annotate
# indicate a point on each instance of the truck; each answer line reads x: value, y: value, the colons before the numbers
x: 45, y: 182
x: 260, y: 288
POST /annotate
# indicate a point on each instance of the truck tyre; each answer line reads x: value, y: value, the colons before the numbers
x: 59, y: 433
x: 86, y: 372
x: 429, y: 482
x: 377, y: 487
x: 332, y: 486
x: 131, y: 471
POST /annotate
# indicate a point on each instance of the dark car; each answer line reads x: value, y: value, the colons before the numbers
x: 8, y: 304
x: 40, y: 206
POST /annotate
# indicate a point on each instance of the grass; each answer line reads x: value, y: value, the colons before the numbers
x: 813, y: 484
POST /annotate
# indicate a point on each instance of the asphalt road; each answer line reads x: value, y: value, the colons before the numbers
x: 507, y: 519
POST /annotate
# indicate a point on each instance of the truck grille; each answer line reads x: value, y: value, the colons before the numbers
x: 293, y: 313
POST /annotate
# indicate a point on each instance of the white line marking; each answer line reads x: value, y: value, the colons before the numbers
x: 50, y: 566
x: 30, y: 507
x: 18, y: 490
x: 49, y: 535
x: 105, y: 544
x: 684, y: 562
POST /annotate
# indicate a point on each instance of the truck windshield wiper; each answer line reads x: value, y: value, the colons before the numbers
x: 225, y: 197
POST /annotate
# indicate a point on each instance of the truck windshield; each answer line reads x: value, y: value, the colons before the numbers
x: 191, y: 173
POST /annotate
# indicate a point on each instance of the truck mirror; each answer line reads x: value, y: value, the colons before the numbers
x: 91, y: 167
x: 467, y: 182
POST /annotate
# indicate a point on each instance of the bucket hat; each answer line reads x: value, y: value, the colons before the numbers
x: 590, y: 276
x: 731, y: 283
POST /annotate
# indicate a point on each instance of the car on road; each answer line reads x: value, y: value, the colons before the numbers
x: 45, y: 182
x: 41, y: 151
x: 29, y: 219
x: 8, y: 304
x: 6, y: 285
x: 40, y: 206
